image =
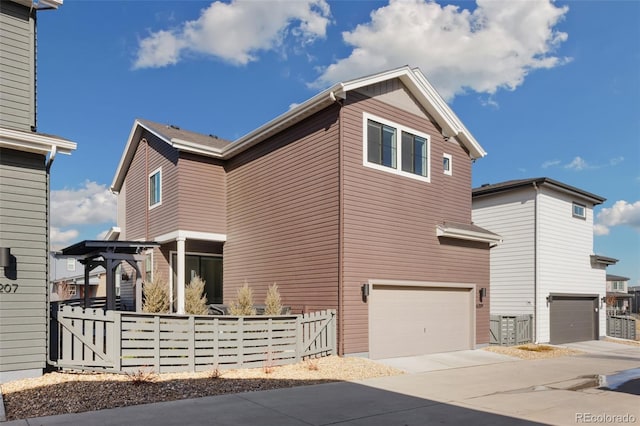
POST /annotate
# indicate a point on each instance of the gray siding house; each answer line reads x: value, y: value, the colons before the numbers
x: 26, y: 157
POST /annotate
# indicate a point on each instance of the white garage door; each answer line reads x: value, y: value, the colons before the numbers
x: 416, y: 320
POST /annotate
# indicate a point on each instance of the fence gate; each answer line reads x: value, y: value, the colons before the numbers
x: 511, y: 330
x: 82, y: 338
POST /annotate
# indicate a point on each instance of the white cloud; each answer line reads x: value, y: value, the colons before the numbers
x: 235, y: 32
x: 577, y: 163
x: 493, y: 47
x: 91, y: 204
x: 550, y: 163
x: 60, y: 238
x: 621, y: 213
x: 600, y: 229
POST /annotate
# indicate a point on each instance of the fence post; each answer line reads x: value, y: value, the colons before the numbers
x: 299, y: 338
x: 156, y: 343
x: 192, y: 343
x: 117, y: 340
x: 240, y: 341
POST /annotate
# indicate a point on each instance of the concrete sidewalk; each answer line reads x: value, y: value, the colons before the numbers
x: 505, y: 393
x: 445, y: 361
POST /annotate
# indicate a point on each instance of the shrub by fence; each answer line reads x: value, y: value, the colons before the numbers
x: 95, y: 339
x: 511, y: 330
x: 622, y: 327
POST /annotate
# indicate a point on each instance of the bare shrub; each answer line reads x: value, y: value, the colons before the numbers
x: 141, y: 376
x: 273, y: 302
x: 243, y: 305
x: 312, y: 364
x: 195, y: 299
x: 214, y: 373
x: 156, y: 295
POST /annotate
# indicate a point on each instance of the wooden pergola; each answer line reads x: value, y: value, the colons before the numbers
x: 109, y: 255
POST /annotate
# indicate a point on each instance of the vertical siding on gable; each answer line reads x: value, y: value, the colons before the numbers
x: 17, y: 66
x: 566, y: 244
x: 283, y: 213
x: 512, y: 216
x: 23, y: 228
x: 389, y: 227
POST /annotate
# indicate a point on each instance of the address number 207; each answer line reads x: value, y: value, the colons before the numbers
x: 9, y: 288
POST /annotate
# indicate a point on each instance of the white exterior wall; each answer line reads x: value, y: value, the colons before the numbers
x: 564, y: 250
x: 512, y: 262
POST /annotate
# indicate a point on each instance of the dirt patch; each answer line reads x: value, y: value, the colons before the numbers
x: 62, y: 393
x: 533, y: 351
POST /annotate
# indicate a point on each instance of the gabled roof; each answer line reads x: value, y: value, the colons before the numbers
x: 413, y: 79
x: 183, y: 140
x: 616, y: 278
x: 510, y: 185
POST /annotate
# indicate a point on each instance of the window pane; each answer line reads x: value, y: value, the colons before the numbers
x: 154, y: 189
x: 381, y: 144
x: 407, y: 152
x: 414, y: 154
x: 445, y: 164
x: 420, y: 156
x: 374, y: 142
x: 388, y: 146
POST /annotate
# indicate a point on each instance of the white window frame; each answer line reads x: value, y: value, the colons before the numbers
x: 449, y: 171
x: 73, y: 290
x: 578, y: 215
x: 71, y: 264
x: 399, y: 129
x: 157, y: 171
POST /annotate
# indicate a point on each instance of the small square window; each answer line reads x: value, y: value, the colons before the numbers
x: 71, y: 264
x: 155, y: 188
x: 447, y: 164
x: 579, y: 211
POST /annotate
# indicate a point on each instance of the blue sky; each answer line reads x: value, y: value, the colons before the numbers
x: 547, y: 88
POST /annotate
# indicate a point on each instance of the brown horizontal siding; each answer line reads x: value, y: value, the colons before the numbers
x: 390, y: 221
x: 202, y: 194
x: 142, y: 222
x: 282, y: 210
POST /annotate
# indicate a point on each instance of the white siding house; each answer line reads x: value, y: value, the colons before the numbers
x: 545, y: 266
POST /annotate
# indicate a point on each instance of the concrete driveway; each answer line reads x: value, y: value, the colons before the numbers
x: 553, y: 391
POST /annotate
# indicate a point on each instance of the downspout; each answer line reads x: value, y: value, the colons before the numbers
x: 535, y: 263
x: 340, y: 231
x: 47, y: 239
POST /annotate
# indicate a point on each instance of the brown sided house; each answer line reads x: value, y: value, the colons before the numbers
x: 357, y: 200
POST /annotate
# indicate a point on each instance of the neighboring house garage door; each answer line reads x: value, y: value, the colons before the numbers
x: 406, y: 320
x: 573, y: 318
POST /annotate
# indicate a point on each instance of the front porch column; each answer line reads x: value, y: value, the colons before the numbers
x: 180, y: 242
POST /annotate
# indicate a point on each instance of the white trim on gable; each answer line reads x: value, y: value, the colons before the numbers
x: 413, y: 79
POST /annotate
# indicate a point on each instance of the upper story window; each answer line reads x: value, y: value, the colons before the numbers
x: 155, y: 188
x: 382, y: 150
x: 71, y: 264
x: 447, y: 164
x: 579, y: 211
x: 617, y: 286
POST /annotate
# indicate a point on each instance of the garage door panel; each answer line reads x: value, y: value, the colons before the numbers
x: 573, y: 319
x: 406, y: 321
